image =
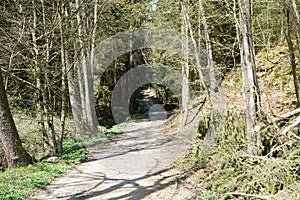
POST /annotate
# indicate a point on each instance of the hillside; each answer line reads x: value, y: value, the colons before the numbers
x: 226, y: 171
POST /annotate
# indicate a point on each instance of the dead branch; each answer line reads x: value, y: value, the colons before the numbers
x: 287, y: 115
x: 249, y: 195
x: 287, y: 129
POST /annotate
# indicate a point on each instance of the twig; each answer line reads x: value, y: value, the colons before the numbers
x: 289, y: 143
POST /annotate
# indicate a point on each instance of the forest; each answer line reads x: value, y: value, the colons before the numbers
x: 73, y: 71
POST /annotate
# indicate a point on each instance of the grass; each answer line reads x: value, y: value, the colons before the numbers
x: 21, y: 182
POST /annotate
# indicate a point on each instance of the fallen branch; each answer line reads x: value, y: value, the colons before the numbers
x: 249, y: 195
x: 287, y: 129
x: 287, y: 115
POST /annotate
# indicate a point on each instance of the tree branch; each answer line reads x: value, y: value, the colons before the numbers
x: 287, y: 115
x: 295, y: 123
x: 249, y: 195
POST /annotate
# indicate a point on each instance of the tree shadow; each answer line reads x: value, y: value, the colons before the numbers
x: 137, y: 191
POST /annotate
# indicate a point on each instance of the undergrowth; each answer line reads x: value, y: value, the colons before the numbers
x: 226, y: 171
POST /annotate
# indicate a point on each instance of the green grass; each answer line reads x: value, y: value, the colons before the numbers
x: 21, y: 182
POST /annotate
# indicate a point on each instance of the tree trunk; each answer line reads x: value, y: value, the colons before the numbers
x: 63, y: 84
x: 15, y: 153
x: 292, y: 53
x: 72, y: 81
x: 92, y: 56
x: 37, y: 75
x: 185, y: 67
x: 296, y: 11
x: 85, y: 73
x: 216, y: 98
x: 250, y: 84
x: 46, y: 93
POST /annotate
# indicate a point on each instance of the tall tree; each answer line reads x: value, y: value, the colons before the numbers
x: 85, y: 65
x: 15, y: 153
x: 250, y: 83
x: 209, y: 79
x: 185, y: 66
x: 295, y: 8
x: 292, y: 56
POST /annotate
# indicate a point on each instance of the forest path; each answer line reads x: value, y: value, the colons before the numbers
x: 135, y: 165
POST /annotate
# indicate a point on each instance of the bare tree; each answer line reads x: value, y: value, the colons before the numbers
x: 291, y: 52
x: 185, y: 66
x: 85, y: 68
x: 217, y: 101
x: 250, y: 83
x: 209, y: 80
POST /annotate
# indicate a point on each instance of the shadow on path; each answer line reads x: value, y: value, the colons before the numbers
x: 138, y: 191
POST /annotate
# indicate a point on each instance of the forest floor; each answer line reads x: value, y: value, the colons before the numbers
x: 135, y: 164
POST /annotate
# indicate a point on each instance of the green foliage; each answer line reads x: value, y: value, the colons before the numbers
x: 74, y: 151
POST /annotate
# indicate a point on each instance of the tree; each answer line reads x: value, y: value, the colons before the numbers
x: 185, y: 66
x: 209, y: 79
x: 291, y: 51
x: 85, y: 67
x: 15, y: 153
x: 250, y: 84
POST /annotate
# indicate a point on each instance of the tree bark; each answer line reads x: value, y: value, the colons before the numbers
x: 10, y: 140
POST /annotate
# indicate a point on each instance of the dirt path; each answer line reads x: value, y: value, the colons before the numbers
x: 136, y: 165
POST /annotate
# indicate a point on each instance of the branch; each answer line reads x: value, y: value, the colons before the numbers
x: 249, y: 195
x: 295, y: 123
x: 287, y: 115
